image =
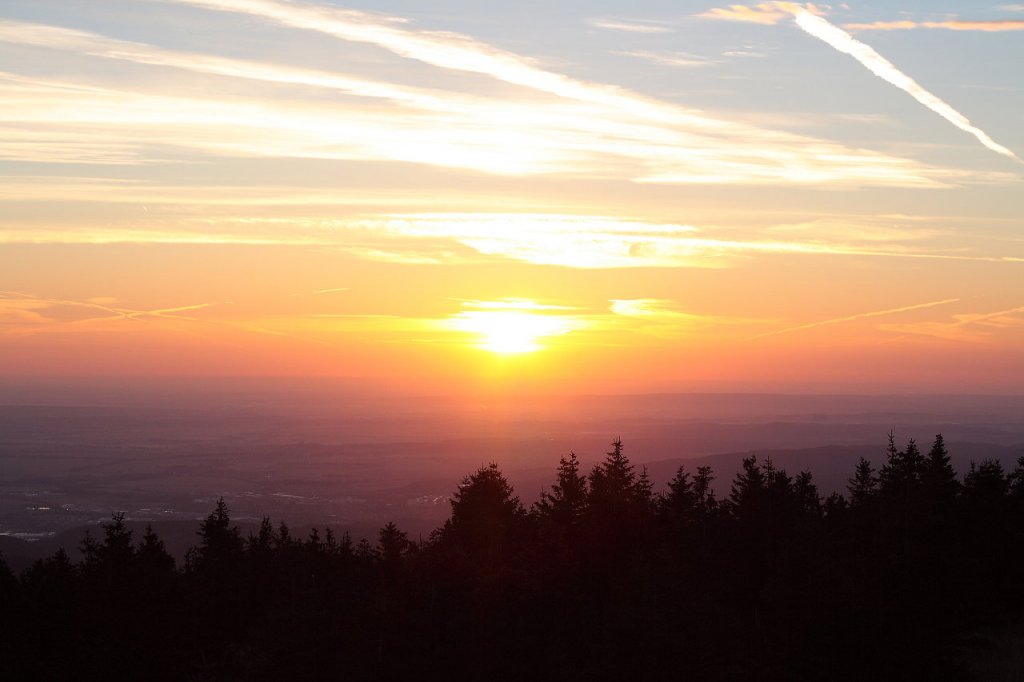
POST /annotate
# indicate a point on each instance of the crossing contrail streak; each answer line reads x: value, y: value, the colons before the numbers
x: 884, y: 69
x: 858, y: 316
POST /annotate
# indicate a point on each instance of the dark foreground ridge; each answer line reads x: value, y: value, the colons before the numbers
x: 906, y: 577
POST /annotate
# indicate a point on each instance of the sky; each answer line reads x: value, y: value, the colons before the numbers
x: 570, y: 197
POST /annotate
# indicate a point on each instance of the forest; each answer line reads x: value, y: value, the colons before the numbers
x: 914, y: 573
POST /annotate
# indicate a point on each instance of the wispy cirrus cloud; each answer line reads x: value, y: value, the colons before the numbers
x: 441, y: 49
x: 629, y: 25
x: 650, y: 308
x: 556, y: 126
x: 674, y: 59
x: 558, y: 239
x: 991, y: 26
x: 460, y: 53
x: 809, y: 19
x: 766, y: 13
x: 657, y: 317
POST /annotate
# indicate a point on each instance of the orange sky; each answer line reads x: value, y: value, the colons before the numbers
x: 471, y: 202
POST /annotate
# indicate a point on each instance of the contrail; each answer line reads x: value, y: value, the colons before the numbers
x: 884, y: 69
x: 858, y: 316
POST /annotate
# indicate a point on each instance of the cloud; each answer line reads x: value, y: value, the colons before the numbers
x: 582, y: 241
x: 512, y: 304
x: 676, y: 59
x: 650, y: 308
x: 320, y: 292
x: 630, y: 26
x: 587, y: 128
x: 444, y: 50
x: 993, y: 26
x: 514, y: 133
x: 766, y: 13
x: 556, y: 239
x: 655, y: 317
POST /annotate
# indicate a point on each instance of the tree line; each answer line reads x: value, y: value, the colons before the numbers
x: 602, y: 578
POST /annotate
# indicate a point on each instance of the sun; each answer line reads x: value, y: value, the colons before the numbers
x: 511, y: 327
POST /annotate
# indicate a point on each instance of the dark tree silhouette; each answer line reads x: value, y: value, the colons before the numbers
x: 615, y: 489
x: 220, y: 543
x: 986, y: 486
x: 393, y: 544
x: 603, y: 579
x: 485, y: 513
x: 806, y: 494
x: 749, y: 492
x: 863, y: 487
x: 938, y: 476
x: 565, y: 504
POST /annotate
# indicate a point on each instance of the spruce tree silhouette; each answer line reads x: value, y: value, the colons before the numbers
x: 393, y: 544
x: 220, y: 543
x: 486, y: 516
x: 769, y: 585
x: 616, y: 492
x: 938, y: 475
x: 564, y: 505
x: 863, y: 487
x: 679, y: 504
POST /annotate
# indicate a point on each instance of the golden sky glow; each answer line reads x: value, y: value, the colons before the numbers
x: 642, y: 197
x: 510, y: 326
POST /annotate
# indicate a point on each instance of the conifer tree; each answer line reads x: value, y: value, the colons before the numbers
x: 263, y: 542
x: 566, y: 502
x: 680, y: 502
x: 365, y: 552
x: 939, y: 480
x: 616, y: 492
x: 152, y: 556
x: 283, y: 538
x: 863, y: 487
x: 986, y: 485
x: 835, y: 507
x: 1016, y: 482
x: 890, y: 473
x: 615, y: 476
x: 644, y: 486
x: 749, y: 488
x: 485, y: 513
x: 392, y: 543
x: 806, y: 495
x: 7, y: 580
x: 90, y: 550
x: 220, y: 545
x: 313, y: 543
x: 117, y: 549
x: 707, y: 505
x: 901, y: 475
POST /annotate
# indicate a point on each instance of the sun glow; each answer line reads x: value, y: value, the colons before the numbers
x: 510, y: 327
